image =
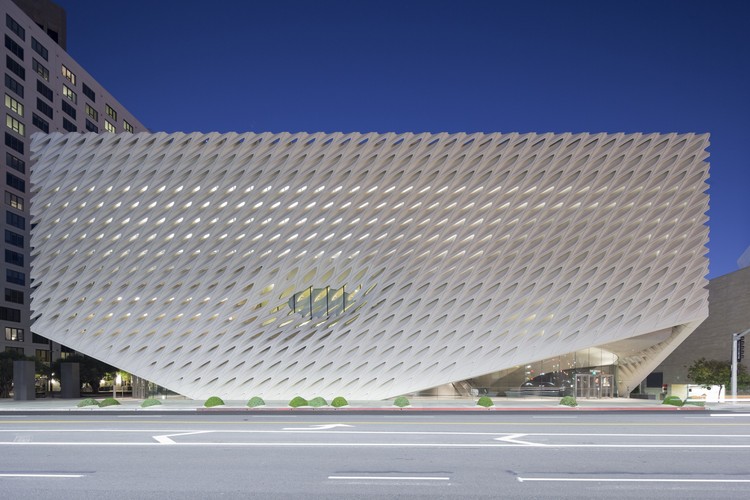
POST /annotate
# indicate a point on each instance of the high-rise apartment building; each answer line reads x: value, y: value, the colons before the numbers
x: 44, y: 90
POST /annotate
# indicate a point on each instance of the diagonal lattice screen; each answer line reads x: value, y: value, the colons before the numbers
x: 362, y: 265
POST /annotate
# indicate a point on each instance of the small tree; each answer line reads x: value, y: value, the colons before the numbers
x: 708, y: 372
x: 90, y: 370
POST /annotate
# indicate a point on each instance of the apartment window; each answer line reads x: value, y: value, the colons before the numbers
x: 13, y: 85
x: 15, y: 277
x: 89, y: 93
x: 18, y: 184
x: 15, y: 125
x: 69, y: 126
x: 14, y: 239
x: 14, y: 334
x: 68, y: 74
x: 15, y: 163
x: 69, y: 110
x: 39, y: 48
x: 13, y: 200
x: 8, y: 314
x: 13, y: 47
x: 44, y: 90
x: 40, y: 69
x: 91, y: 127
x: 14, y: 258
x: 42, y: 355
x: 14, y: 142
x: 15, y: 27
x: 15, y: 220
x: 15, y: 67
x: 40, y: 122
x: 38, y: 339
x: 44, y: 107
x: 92, y: 112
x: 15, y: 296
x: 110, y: 112
x: 67, y: 92
x: 109, y: 127
x: 127, y: 127
x: 13, y: 105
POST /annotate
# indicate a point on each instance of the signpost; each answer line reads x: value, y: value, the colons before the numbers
x: 738, y: 352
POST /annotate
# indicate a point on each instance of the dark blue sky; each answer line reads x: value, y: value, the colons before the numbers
x: 433, y: 66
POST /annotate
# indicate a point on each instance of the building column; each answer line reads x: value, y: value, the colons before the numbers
x: 70, y: 380
x: 23, y: 380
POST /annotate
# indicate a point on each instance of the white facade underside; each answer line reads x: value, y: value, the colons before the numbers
x: 187, y: 259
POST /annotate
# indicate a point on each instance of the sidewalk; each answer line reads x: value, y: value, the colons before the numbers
x: 178, y: 405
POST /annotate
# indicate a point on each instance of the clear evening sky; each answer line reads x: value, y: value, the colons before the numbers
x: 436, y: 66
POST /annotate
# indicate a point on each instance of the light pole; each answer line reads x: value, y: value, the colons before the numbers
x: 738, y: 340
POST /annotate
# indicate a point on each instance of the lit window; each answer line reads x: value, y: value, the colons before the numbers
x: 110, y: 112
x: 15, y: 334
x: 128, y: 127
x: 15, y: 125
x: 68, y: 74
x: 92, y: 112
x: 109, y: 127
x: 67, y: 92
x: 13, y: 105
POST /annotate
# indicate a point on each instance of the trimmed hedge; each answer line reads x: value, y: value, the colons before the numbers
x: 401, y: 402
x: 673, y: 400
x: 317, y: 402
x: 109, y: 402
x: 255, y: 401
x: 213, y: 401
x: 150, y: 402
x: 339, y: 401
x: 298, y: 401
x: 569, y: 401
x: 486, y: 402
x: 87, y: 402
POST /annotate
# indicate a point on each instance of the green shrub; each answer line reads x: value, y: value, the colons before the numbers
x: 401, y: 402
x: 339, y: 401
x: 213, y: 401
x: 150, y: 402
x: 569, y: 401
x: 298, y: 401
x: 109, y: 402
x: 256, y: 401
x: 673, y: 400
x: 317, y: 402
x: 88, y: 402
x: 485, y: 401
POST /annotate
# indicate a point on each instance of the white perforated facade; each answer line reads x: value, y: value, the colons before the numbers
x: 365, y: 265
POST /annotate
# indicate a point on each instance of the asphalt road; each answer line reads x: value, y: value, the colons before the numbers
x: 482, y: 455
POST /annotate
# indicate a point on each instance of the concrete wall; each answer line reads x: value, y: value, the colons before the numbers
x: 728, y: 312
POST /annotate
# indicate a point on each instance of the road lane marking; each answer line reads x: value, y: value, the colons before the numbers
x: 316, y: 427
x: 629, y: 480
x: 730, y: 414
x: 166, y: 439
x: 513, y: 438
x: 41, y: 475
x: 394, y: 478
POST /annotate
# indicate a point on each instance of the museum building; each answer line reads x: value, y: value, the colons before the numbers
x: 371, y: 265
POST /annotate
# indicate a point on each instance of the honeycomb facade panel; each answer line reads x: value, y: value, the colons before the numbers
x: 363, y: 265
